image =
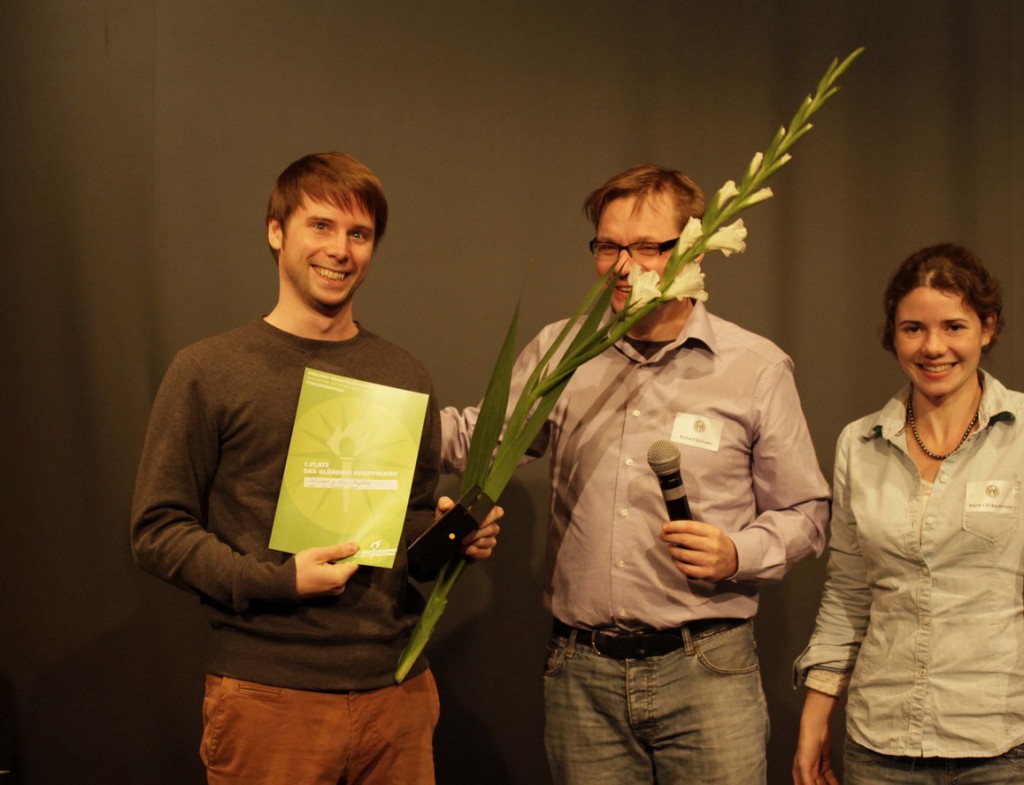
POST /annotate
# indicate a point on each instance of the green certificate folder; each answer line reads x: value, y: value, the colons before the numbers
x: 350, y: 467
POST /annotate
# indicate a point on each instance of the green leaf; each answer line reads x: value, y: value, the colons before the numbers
x: 592, y: 328
x: 436, y: 604
x: 491, y: 418
x: 505, y: 464
x: 595, y: 305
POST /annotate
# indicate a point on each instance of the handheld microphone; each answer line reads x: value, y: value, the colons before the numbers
x: 663, y: 458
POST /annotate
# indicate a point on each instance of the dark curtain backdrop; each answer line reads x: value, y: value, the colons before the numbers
x: 140, y: 139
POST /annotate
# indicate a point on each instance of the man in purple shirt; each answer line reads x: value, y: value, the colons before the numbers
x: 652, y: 673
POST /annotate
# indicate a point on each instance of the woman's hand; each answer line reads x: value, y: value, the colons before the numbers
x: 812, y: 764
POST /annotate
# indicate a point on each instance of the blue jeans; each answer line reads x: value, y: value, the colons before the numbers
x: 867, y: 767
x: 696, y: 715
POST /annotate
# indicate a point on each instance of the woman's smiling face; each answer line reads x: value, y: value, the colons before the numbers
x: 938, y: 342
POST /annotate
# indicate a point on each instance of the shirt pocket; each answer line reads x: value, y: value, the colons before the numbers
x: 991, y: 509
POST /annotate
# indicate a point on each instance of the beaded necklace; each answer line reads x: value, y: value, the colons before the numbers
x: 917, y: 436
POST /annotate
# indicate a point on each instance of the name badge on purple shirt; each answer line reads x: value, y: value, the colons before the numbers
x: 697, y: 430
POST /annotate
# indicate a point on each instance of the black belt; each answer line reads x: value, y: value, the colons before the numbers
x: 635, y: 645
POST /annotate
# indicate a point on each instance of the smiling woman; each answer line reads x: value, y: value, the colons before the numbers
x: 925, y: 548
x: 938, y: 344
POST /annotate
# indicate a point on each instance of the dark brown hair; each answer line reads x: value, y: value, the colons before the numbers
x: 948, y: 268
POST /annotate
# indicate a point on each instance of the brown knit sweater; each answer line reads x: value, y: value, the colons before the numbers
x: 206, y: 494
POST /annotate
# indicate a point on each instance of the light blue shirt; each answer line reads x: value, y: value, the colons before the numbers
x: 728, y: 399
x: 923, y: 601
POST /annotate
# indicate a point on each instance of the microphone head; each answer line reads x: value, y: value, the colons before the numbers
x: 663, y: 457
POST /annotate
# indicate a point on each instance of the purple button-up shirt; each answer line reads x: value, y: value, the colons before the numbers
x: 727, y: 398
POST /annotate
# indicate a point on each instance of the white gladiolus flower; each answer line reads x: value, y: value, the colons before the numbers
x: 644, y: 287
x: 729, y: 239
x: 691, y: 233
x: 727, y: 192
x: 688, y: 283
x: 759, y: 196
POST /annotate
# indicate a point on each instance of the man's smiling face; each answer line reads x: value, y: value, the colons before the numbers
x: 323, y: 255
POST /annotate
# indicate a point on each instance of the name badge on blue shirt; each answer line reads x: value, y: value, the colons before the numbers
x: 991, y: 496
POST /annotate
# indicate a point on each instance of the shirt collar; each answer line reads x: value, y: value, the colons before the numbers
x: 696, y: 333
x: 996, y: 405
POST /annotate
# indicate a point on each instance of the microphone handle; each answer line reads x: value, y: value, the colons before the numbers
x: 678, y: 509
x: 674, y: 491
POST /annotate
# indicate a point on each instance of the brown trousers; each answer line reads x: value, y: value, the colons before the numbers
x: 260, y: 735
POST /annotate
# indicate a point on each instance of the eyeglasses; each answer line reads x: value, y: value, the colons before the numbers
x: 609, y: 252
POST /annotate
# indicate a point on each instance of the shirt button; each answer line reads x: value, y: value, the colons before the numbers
x: 629, y: 461
x: 636, y: 412
x: 922, y: 671
x: 943, y: 478
x: 623, y: 513
x: 930, y: 520
x: 620, y: 563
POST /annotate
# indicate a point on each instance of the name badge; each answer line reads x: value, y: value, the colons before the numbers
x: 992, y: 496
x: 696, y: 430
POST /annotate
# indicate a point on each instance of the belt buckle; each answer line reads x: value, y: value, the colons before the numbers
x: 617, y: 645
x: 595, y: 642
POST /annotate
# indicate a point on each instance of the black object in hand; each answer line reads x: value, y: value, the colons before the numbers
x: 429, y: 552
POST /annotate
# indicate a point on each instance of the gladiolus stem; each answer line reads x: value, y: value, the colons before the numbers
x: 496, y: 452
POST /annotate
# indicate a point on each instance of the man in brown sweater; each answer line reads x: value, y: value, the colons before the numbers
x: 302, y: 650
